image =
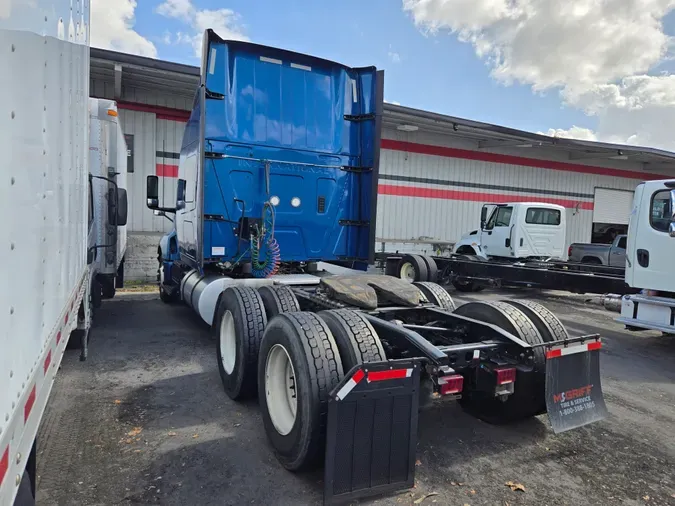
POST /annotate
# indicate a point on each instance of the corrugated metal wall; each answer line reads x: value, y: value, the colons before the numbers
x: 440, y: 196
x: 156, y: 144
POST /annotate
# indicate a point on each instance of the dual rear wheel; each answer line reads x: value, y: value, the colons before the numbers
x: 291, y: 360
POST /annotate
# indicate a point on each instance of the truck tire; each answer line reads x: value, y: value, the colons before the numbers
x: 278, y: 299
x: 355, y: 337
x: 299, y: 364
x: 432, y: 268
x: 238, y: 326
x: 436, y: 295
x: 412, y: 268
x: 528, y: 399
x: 548, y: 324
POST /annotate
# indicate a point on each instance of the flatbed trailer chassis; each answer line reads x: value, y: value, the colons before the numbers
x: 469, y: 273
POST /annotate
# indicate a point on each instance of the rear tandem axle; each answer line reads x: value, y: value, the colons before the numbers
x: 342, y: 368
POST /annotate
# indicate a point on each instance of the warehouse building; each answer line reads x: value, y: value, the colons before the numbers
x: 436, y: 171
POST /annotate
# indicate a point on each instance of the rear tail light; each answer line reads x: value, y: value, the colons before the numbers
x: 506, y: 376
x: 569, y: 251
x: 451, y: 384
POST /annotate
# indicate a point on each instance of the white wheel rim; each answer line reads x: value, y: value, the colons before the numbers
x: 228, y: 342
x: 408, y: 272
x: 280, y: 389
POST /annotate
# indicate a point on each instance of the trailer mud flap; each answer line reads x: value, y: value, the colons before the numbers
x: 573, y: 390
x: 372, y: 431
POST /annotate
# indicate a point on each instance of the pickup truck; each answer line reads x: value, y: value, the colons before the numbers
x: 612, y: 255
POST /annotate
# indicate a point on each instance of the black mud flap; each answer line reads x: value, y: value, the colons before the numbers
x: 573, y: 390
x: 372, y: 431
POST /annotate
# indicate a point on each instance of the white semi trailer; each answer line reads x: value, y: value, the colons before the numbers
x: 58, y: 245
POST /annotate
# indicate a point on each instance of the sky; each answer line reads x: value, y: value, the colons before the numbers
x: 591, y: 69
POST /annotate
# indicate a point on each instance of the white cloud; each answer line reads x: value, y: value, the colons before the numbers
x: 225, y: 22
x: 575, y: 132
x: 391, y: 102
x: 598, y: 54
x: 394, y: 56
x: 112, y: 27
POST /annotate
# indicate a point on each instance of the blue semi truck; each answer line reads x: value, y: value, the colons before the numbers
x: 274, y: 230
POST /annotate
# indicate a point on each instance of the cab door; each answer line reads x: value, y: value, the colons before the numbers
x: 650, y: 249
x: 496, y: 236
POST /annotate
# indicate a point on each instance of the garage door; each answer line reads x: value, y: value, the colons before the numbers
x: 612, y: 206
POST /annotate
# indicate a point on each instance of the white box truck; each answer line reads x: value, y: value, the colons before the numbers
x: 108, y: 172
x: 55, y: 227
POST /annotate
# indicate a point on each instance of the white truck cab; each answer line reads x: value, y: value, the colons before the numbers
x: 516, y: 231
x: 650, y: 257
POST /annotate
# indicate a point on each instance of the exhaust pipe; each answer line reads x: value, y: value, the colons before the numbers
x: 612, y: 302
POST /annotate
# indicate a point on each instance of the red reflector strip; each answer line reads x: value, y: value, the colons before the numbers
x: 29, y: 405
x: 595, y: 346
x: 4, y: 464
x: 66, y: 319
x: 554, y: 353
x: 451, y: 384
x: 389, y: 375
x: 48, y: 361
x: 349, y: 386
x: 559, y: 352
x: 505, y: 376
x: 58, y: 337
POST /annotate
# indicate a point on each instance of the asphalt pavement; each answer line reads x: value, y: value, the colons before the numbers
x: 145, y: 421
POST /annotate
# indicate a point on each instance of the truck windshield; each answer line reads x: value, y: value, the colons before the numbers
x: 542, y: 216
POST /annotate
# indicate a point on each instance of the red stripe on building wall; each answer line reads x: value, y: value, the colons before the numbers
x: 497, y: 198
x: 466, y: 154
x: 166, y: 170
x: 161, y: 112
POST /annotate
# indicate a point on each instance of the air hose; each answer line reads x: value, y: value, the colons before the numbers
x: 265, y: 238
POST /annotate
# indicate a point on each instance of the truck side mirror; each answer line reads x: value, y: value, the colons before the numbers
x: 152, y: 192
x: 122, y: 207
x: 483, y: 217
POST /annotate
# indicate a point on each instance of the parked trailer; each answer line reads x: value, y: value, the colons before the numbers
x: 43, y: 259
x: 267, y: 238
x: 65, y: 218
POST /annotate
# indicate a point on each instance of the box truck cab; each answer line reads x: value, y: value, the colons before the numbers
x: 649, y: 258
x: 517, y: 231
x: 109, y: 203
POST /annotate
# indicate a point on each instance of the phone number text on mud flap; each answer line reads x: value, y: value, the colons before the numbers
x: 577, y: 405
